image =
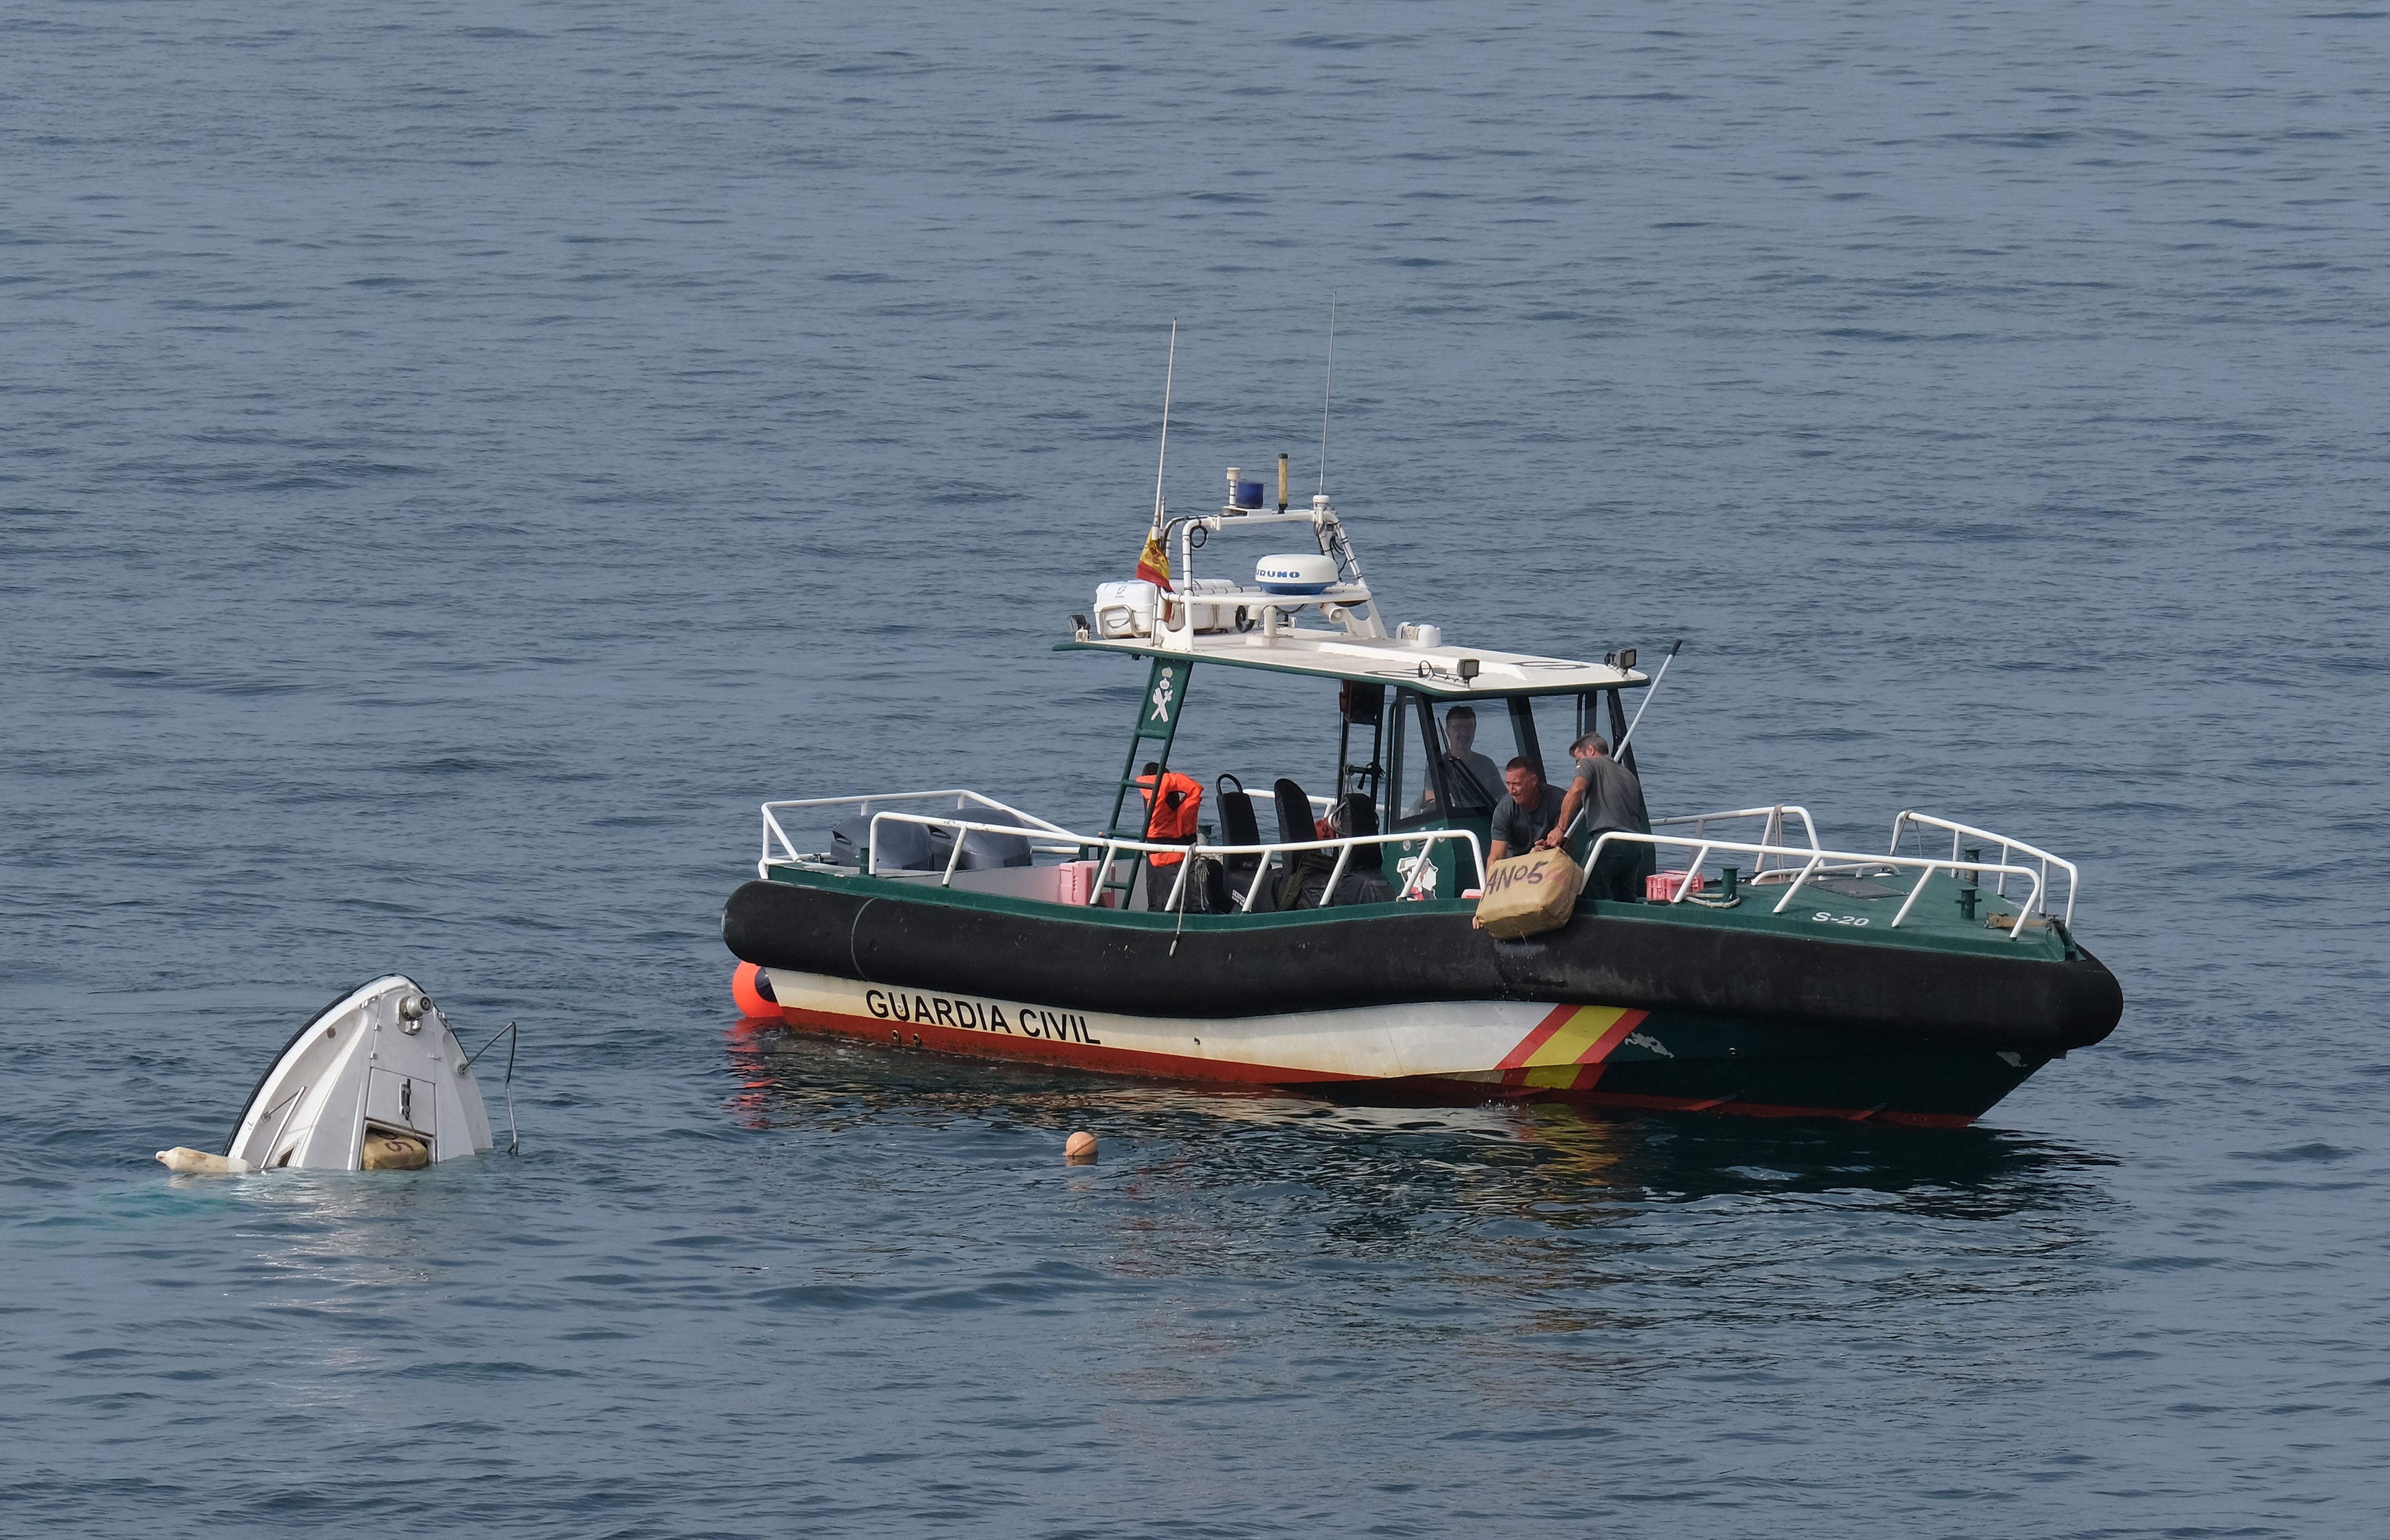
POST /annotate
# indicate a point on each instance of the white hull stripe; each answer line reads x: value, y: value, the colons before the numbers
x: 1525, y: 1042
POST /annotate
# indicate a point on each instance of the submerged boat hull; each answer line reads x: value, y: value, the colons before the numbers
x: 1610, y: 1010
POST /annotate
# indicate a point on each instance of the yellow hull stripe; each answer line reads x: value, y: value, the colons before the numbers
x: 1580, y: 1032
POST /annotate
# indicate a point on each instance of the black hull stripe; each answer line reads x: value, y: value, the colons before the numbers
x: 2031, y: 1006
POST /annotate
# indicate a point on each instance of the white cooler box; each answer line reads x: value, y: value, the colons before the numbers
x: 1127, y: 608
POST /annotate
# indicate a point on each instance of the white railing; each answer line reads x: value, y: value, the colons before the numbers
x: 1117, y: 847
x: 1343, y: 846
x: 2007, y: 847
x: 1114, y: 848
x: 1771, y: 831
x: 1795, y: 864
x: 1031, y: 822
x: 1815, y: 861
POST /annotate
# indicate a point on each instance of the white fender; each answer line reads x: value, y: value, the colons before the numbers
x: 188, y: 1161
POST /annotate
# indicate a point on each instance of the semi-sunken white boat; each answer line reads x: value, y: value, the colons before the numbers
x: 1919, y: 985
x: 380, y: 1063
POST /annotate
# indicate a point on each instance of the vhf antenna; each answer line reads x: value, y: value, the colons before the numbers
x: 1326, y: 390
x: 1169, y: 373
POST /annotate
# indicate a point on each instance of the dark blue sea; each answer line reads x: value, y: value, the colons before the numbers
x: 457, y: 460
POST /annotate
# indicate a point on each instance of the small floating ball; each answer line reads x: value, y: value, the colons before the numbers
x: 1081, y: 1150
x: 752, y: 991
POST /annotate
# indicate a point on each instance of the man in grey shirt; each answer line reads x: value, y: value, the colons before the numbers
x: 1459, y: 738
x: 1612, y: 798
x: 1526, y: 815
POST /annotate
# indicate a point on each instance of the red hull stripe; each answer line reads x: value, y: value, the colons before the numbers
x: 1566, y: 1050
x: 1578, y: 1089
x: 1615, y: 1036
x: 1770, y: 1110
x: 1538, y: 1038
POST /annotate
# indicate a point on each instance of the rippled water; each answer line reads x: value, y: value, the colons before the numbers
x: 455, y: 461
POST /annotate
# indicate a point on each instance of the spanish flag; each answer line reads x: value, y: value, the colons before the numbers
x: 1154, y: 565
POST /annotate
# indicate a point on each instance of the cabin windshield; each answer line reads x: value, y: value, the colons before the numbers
x: 1418, y: 761
x: 1446, y: 758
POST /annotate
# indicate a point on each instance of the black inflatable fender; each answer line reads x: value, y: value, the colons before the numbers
x: 2027, y: 1004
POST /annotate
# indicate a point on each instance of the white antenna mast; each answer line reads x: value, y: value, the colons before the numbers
x: 1169, y: 373
x: 1324, y: 391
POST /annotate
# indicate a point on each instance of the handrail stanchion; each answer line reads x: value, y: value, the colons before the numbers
x: 1693, y: 871
x: 1794, y: 886
x: 2025, y: 910
x: 1336, y: 874
x: 1916, y: 890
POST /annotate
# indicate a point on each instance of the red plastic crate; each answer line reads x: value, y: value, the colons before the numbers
x: 1661, y: 887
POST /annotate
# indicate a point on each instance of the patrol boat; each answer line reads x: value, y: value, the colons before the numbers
x: 1758, y: 972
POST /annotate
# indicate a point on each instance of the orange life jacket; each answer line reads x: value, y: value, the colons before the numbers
x: 1170, y: 815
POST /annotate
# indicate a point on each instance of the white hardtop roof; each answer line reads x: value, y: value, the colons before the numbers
x: 1358, y: 648
x: 1336, y: 655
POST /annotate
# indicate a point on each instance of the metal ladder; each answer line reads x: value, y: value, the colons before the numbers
x: 1157, y: 720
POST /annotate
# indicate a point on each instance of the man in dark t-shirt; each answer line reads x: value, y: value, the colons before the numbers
x: 1613, y: 800
x: 1526, y: 815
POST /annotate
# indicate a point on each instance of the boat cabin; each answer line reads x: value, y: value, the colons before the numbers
x: 1422, y: 731
x: 1424, y: 728
x: 1424, y: 754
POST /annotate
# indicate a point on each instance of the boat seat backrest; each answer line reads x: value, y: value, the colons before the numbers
x: 981, y: 851
x: 1294, y: 819
x: 1360, y: 815
x: 902, y: 847
x: 1239, y: 825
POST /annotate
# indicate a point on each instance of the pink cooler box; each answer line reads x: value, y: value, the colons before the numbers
x: 1661, y: 887
x: 1073, y: 881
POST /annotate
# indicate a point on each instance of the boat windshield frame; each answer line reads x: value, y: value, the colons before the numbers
x: 1406, y: 706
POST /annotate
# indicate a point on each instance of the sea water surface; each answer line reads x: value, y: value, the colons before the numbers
x: 456, y: 460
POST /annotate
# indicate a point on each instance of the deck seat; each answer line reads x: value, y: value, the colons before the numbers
x: 1239, y: 826
x: 982, y: 852
x: 902, y: 847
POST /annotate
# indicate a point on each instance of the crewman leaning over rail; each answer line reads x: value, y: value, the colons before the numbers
x: 1171, y: 802
x: 1611, y: 799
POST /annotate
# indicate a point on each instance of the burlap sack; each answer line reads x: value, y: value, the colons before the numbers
x: 393, y: 1152
x: 1529, y: 893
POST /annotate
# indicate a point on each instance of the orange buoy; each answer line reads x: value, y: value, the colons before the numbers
x: 1081, y: 1150
x: 752, y: 991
